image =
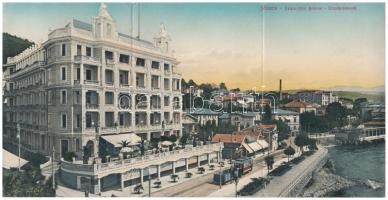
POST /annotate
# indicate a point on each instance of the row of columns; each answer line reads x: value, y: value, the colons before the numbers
x: 158, y: 170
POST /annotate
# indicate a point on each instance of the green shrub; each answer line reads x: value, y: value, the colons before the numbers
x: 68, y: 156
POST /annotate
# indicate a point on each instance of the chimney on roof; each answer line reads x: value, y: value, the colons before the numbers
x: 280, y: 90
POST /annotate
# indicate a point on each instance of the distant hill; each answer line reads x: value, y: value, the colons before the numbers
x: 373, y: 90
x: 13, y: 45
x: 377, y: 97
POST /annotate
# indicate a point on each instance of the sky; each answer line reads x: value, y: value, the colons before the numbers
x: 223, y: 42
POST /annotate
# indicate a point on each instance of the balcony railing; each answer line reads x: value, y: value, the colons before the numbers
x: 156, y: 107
x: 124, y: 85
x: 91, y: 82
x: 81, y: 58
x: 118, y: 166
x: 92, y: 106
x: 110, y: 63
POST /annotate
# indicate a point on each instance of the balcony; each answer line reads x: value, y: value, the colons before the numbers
x: 126, y: 85
x: 155, y: 107
x: 167, y: 72
x: 91, y: 106
x: 86, y: 60
x: 121, y: 166
x: 155, y: 88
x: 91, y: 82
x: 110, y: 129
x: 144, y: 127
x: 110, y: 63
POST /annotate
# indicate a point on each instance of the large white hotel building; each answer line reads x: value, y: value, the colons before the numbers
x: 88, y: 82
x: 86, y: 76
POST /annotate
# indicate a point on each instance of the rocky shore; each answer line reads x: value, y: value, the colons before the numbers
x: 326, y: 182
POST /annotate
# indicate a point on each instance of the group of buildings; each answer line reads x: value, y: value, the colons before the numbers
x: 88, y: 85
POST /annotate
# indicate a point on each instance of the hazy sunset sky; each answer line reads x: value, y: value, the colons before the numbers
x: 223, y: 42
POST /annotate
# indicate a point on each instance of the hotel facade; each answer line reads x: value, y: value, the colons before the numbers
x: 89, y: 85
x: 88, y: 79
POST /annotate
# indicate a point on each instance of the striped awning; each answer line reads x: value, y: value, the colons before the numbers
x: 263, y: 143
x: 247, y: 147
x: 116, y: 139
x: 255, y: 146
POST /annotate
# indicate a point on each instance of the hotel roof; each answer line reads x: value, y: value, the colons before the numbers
x: 89, y: 27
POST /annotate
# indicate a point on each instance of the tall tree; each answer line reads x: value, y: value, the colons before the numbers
x: 267, y: 118
x: 336, y: 114
x: 223, y: 86
x: 289, y: 152
x: 301, y: 140
x: 283, y: 129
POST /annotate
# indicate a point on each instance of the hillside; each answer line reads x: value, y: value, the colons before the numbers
x: 12, y: 45
x: 376, y: 97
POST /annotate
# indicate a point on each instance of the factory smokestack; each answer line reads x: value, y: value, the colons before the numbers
x: 280, y: 90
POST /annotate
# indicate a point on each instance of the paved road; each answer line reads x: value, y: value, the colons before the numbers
x: 186, y: 188
x: 280, y: 183
x: 203, y: 186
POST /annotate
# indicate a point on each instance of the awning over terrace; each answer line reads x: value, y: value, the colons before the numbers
x: 116, y: 139
x: 247, y: 147
x: 264, y: 144
x: 255, y: 146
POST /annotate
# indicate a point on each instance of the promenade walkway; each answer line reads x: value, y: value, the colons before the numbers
x: 280, y: 185
x: 229, y: 190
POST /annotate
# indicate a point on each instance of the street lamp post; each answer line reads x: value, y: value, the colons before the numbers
x: 219, y: 162
x: 52, y: 168
x: 236, y: 180
x: 149, y: 182
x: 18, y: 136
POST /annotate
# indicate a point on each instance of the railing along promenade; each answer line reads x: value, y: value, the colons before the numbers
x: 294, y: 188
x: 123, y: 165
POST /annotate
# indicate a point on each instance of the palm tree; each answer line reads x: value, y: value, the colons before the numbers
x: 201, y: 170
x: 189, y: 174
x: 174, y: 178
x: 123, y: 144
x: 289, y: 151
x: 158, y: 183
x: 138, y: 189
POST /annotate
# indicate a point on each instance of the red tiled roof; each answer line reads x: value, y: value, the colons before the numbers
x: 250, y: 133
x: 228, y: 138
x: 267, y: 126
x: 297, y: 104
